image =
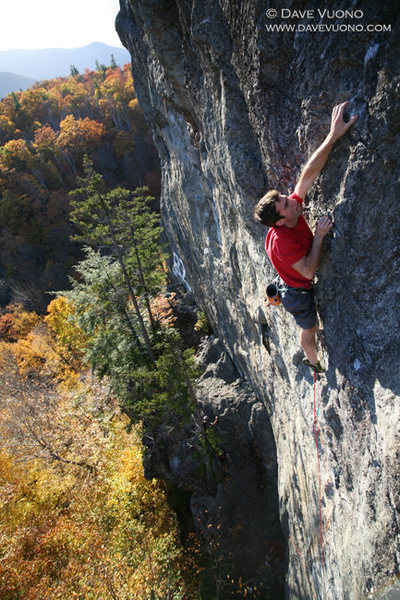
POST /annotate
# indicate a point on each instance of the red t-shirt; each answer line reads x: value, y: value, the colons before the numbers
x: 287, y: 245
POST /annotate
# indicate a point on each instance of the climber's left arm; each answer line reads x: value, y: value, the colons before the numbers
x: 317, y: 161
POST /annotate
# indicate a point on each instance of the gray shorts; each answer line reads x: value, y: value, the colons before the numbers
x: 300, y: 302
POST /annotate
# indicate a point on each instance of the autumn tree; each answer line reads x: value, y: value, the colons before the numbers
x: 35, y: 106
x: 33, y: 423
x: 45, y: 140
x: 7, y: 327
x: 79, y: 136
x: 7, y: 129
x: 15, y: 154
x: 118, y: 92
x: 70, y: 341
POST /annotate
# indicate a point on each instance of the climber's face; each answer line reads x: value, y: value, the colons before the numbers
x: 289, y: 209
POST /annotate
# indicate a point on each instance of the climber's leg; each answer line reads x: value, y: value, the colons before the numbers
x: 300, y: 303
x: 308, y: 343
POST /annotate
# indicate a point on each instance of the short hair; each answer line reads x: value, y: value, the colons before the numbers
x: 265, y: 210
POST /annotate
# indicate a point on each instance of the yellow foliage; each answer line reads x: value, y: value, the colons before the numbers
x: 115, y: 86
x: 7, y: 127
x: 134, y: 104
x: 15, y: 154
x: 70, y: 341
x: 109, y: 534
x: 61, y: 322
x: 35, y: 354
x: 78, y: 519
x: 52, y: 347
x: 34, y: 102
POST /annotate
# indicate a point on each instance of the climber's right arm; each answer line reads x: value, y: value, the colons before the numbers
x: 307, y: 265
x: 317, y: 161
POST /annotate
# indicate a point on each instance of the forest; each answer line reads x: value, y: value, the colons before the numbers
x: 89, y: 351
x: 45, y: 132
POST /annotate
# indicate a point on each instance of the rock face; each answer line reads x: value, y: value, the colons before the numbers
x: 230, y: 478
x: 237, y: 109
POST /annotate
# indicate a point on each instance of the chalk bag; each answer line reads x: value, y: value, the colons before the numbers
x: 273, y: 295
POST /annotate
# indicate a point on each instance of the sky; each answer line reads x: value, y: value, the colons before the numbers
x: 33, y: 24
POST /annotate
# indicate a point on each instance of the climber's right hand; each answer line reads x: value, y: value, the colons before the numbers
x: 338, y: 125
x: 323, y: 227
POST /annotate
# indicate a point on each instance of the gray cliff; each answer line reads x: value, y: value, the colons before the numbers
x: 235, y: 110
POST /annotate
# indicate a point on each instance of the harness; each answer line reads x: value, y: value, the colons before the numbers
x: 277, y: 287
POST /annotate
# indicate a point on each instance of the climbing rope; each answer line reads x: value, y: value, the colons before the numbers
x: 319, y: 478
x: 303, y: 564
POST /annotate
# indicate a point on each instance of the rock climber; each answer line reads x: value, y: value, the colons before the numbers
x: 292, y: 248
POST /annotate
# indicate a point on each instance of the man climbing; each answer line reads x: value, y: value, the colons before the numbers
x: 292, y: 248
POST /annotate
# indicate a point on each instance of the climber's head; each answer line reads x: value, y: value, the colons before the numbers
x: 275, y: 209
x: 265, y: 211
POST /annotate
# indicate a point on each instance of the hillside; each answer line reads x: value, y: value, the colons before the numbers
x: 11, y: 82
x: 56, y: 62
x: 78, y: 518
x: 45, y: 132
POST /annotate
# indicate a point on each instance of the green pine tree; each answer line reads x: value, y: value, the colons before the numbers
x: 121, y: 223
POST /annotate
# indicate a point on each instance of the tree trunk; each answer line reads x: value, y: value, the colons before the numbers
x: 131, y: 291
x: 142, y: 281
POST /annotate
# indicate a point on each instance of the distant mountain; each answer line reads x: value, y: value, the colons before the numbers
x: 11, y: 82
x: 56, y: 62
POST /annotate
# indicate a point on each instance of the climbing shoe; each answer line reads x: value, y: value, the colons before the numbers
x: 317, y: 368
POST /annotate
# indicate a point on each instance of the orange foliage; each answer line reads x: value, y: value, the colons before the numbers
x: 34, y: 354
x: 80, y: 135
x: 45, y: 139
x: 44, y: 133
x: 162, y: 307
x: 24, y: 321
x: 16, y: 323
x: 7, y: 329
x: 52, y: 347
x: 117, y: 86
